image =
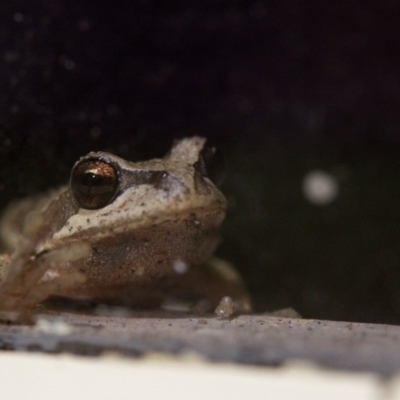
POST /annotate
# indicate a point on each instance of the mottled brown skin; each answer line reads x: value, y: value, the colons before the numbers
x: 124, y: 253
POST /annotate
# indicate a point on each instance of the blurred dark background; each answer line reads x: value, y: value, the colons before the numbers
x: 285, y: 88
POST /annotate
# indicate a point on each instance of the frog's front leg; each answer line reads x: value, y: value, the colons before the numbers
x: 16, y: 277
x: 22, y: 285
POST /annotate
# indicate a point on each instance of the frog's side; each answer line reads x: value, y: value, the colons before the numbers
x: 121, y: 232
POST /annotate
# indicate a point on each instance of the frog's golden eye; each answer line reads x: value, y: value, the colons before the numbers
x: 211, y: 164
x: 94, y: 183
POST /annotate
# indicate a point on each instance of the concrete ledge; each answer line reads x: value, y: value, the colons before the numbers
x: 250, y: 339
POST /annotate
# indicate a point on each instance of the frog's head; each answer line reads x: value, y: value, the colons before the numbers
x: 111, y: 194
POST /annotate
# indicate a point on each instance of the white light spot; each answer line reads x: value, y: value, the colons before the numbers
x: 84, y: 25
x: 18, y: 17
x: 11, y: 56
x: 320, y: 188
x: 69, y: 64
x: 81, y: 116
x: 14, y: 109
x: 112, y: 110
x: 95, y: 132
x: 49, y: 275
x: 258, y: 10
x: 54, y: 327
x: 180, y: 267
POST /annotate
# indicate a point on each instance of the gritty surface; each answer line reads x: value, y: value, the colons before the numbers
x: 251, y: 339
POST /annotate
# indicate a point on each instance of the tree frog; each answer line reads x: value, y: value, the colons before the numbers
x: 127, y: 233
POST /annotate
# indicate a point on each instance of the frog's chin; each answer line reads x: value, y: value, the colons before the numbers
x: 149, y: 254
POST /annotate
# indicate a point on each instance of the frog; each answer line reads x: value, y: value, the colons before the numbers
x: 125, y: 233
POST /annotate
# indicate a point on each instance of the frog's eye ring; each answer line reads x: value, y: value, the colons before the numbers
x: 211, y: 164
x: 94, y: 183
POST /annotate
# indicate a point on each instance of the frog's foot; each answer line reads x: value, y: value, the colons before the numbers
x: 220, y: 288
x: 229, y: 286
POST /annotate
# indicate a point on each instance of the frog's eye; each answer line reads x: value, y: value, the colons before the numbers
x: 94, y: 183
x: 211, y: 164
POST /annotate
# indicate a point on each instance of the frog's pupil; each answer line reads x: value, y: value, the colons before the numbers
x: 92, y: 180
x: 95, y: 184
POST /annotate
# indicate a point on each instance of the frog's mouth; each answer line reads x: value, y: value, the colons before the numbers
x: 86, y: 223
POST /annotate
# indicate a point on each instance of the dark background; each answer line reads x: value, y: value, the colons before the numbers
x: 283, y: 87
